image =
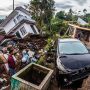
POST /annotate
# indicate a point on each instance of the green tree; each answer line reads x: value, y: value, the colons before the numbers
x: 70, y: 11
x: 84, y: 11
x: 42, y: 11
x: 60, y: 15
x: 69, y: 15
x: 59, y: 26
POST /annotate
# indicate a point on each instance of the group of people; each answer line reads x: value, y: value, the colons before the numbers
x: 11, y: 57
x: 7, y: 60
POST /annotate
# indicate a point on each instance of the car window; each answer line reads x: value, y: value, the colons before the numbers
x: 72, y: 47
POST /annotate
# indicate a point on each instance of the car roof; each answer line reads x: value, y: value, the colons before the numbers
x: 68, y: 40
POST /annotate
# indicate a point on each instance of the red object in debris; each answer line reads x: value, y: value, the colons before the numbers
x: 11, y: 62
x: 2, y: 37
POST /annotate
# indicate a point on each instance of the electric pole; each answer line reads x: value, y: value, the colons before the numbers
x: 13, y: 4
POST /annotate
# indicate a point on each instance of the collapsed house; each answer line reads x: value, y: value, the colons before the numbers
x: 81, y: 33
x: 19, y: 23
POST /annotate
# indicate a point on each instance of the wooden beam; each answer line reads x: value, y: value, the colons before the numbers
x: 74, y: 33
x: 67, y: 31
x: 78, y: 27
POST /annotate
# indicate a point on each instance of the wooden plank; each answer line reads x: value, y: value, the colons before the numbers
x: 78, y: 27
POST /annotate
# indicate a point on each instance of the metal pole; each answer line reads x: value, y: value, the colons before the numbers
x: 13, y: 4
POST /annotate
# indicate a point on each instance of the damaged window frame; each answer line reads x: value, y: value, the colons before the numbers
x: 15, y: 21
x: 23, y: 30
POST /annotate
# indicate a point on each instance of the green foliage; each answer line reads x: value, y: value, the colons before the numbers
x: 86, y: 17
x: 84, y: 11
x: 41, y: 60
x: 58, y: 26
x: 55, y: 24
x: 60, y: 15
x: 49, y: 43
x: 46, y: 48
x: 42, y: 11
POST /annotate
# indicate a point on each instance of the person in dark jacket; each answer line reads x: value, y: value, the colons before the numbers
x: 11, y: 63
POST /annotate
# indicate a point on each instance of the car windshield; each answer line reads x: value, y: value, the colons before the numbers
x: 72, y: 47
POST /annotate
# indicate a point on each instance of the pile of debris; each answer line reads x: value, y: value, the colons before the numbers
x: 35, y: 43
x: 4, y: 82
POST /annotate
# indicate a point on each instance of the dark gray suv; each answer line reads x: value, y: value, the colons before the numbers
x: 73, y: 60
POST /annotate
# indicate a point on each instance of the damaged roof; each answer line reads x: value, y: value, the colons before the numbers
x: 11, y: 15
x: 23, y: 10
x: 8, y: 18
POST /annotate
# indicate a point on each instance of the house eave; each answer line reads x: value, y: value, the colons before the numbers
x: 8, y: 18
x: 23, y: 10
x: 11, y: 15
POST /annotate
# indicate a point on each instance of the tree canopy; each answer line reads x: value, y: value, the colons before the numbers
x: 42, y: 11
x: 46, y: 20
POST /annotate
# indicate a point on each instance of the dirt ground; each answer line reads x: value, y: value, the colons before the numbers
x: 53, y: 84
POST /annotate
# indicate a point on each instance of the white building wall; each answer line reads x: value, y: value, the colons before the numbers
x: 22, y: 36
x: 29, y: 29
x: 11, y: 23
x: 9, y: 26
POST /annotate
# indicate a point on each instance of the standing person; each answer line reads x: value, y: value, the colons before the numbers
x: 11, y: 63
x: 5, y: 55
x: 4, y: 62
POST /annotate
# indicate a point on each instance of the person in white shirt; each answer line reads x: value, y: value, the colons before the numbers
x: 5, y: 52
